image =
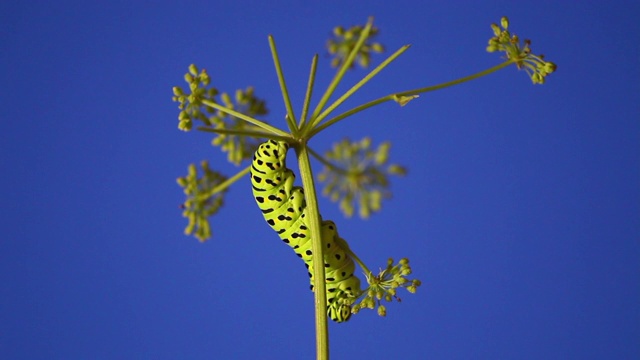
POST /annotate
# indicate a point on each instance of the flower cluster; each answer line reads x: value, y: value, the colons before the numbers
x: 203, y: 200
x: 343, y: 42
x: 190, y: 103
x: 521, y: 54
x: 384, y: 286
x: 357, y: 176
x: 196, y: 106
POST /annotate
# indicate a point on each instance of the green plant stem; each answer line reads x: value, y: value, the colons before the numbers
x: 224, y: 185
x: 256, y: 134
x: 291, y: 119
x: 307, y: 97
x: 256, y: 122
x: 456, y: 82
x: 319, y: 286
x: 375, y: 102
x: 357, y: 259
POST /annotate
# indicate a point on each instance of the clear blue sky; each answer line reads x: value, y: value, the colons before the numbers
x: 521, y: 211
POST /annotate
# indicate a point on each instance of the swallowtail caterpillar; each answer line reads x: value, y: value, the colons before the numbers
x: 284, y: 208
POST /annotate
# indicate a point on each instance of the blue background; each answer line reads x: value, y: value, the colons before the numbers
x: 520, y: 213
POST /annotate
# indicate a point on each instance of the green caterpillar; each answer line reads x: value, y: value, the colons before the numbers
x: 284, y: 208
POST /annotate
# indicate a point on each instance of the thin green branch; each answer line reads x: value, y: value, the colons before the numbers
x: 361, y: 83
x: 348, y: 113
x: 343, y: 69
x: 256, y: 134
x: 225, y: 184
x: 291, y: 118
x: 394, y: 96
x: 319, y: 286
x: 231, y: 180
x: 357, y: 259
x: 256, y: 122
x: 307, y: 97
x: 455, y: 82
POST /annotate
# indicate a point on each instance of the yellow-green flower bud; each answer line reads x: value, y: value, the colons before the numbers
x: 348, y: 35
x: 377, y: 47
x: 204, y: 77
x: 364, y: 60
x: 177, y: 91
x: 537, y: 78
x: 496, y: 29
x: 364, y: 211
x: 397, y: 169
x: 549, y: 67
x: 376, y: 200
x: 370, y: 303
x: 185, y: 125
x: 382, y: 310
x: 193, y: 69
x: 227, y: 100
x: 504, y: 22
x: 192, y: 171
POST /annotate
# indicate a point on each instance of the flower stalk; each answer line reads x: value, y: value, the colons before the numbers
x: 319, y: 286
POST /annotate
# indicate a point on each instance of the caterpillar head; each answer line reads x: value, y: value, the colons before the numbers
x: 339, y: 312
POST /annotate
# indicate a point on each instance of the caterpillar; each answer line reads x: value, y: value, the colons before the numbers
x: 284, y: 208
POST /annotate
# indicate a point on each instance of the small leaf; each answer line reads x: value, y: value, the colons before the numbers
x: 404, y: 99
